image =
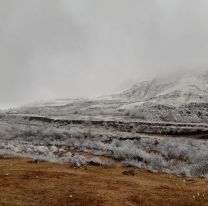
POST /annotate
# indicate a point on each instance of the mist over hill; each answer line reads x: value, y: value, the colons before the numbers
x: 181, y: 98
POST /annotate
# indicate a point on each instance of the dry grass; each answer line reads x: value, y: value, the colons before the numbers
x: 47, y: 184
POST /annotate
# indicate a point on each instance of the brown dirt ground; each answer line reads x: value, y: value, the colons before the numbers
x: 48, y: 184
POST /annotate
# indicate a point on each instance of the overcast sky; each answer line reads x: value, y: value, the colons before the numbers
x: 72, y: 48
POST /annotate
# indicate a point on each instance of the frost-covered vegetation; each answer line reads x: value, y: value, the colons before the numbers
x: 49, y: 153
x: 183, y: 156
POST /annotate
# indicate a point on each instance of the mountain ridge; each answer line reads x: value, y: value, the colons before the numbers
x: 178, y: 99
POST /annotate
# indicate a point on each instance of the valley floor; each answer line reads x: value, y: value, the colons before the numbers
x: 49, y: 184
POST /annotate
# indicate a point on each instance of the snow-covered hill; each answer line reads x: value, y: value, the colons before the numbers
x: 171, y: 91
x: 176, y: 99
x: 181, y: 99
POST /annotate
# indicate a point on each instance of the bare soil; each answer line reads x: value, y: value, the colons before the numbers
x: 49, y: 184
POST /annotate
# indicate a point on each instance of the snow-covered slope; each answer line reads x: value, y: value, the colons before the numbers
x: 171, y: 91
x: 181, y: 99
x: 178, y: 99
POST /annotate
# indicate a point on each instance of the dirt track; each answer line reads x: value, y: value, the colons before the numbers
x: 23, y: 183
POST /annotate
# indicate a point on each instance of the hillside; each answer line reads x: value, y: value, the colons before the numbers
x: 176, y: 99
x: 160, y: 125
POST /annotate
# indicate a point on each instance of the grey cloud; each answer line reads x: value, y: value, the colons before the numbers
x: 67, y: 48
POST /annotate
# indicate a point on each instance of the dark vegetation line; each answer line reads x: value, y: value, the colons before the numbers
x: 161, y: 128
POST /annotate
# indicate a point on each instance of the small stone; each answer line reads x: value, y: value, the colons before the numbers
x: 34, y: 161
x: 189, y: 179
x: 129, y: 172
